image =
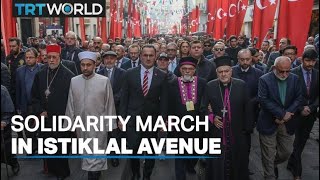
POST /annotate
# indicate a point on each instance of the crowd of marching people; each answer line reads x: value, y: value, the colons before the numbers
x: 241, y: 87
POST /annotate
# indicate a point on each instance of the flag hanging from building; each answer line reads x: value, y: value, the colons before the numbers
x: 9, y: 28
x: 294, y: 21
x: 263, y: 18
x: 221, y: 19
x: 82, y: 29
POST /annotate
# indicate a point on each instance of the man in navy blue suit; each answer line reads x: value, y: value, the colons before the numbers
x: 280, y: 98
x: 24, y: 80
x: 309, y: 80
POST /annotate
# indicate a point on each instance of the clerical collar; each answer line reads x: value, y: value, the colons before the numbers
x: 89, y: 77
x: 225, y: 85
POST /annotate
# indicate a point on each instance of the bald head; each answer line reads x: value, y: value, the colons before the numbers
x: 245, y: 58
x: 311, y: 40
x: 282, y: 61
x: 282, y: 67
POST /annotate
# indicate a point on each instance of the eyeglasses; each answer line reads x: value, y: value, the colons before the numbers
x: 207, y: 45
x: 218, y: 49
x: 288, y: 54
x: 163, y: 59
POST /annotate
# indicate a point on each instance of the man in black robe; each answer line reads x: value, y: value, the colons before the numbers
x: 49, y: 98
x: 231, y: 118
x: 185, y: 94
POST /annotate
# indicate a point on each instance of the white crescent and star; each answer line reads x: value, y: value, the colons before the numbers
x: 218, y: 13
x: 259, y: 5
x: 231, y: 5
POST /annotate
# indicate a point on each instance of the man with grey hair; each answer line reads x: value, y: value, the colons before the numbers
x: 70, y: 52
x: 280, y: 97
x: 105, y: 47
x: 172, y: 55
x: 121, y: 59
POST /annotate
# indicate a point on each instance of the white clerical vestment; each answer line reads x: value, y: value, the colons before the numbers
x: 92, y: 96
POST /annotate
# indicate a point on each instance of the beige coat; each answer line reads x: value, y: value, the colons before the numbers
x: 92, y: 96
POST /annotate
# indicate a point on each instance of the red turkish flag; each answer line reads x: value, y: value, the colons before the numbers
x: 211, y: 7
x: 113, y: 17
x: 104, y: 29
x: 119, y: 22
x: 129, y: 29
x: 136, y: 18
x: 241, y: 12
x: 221, y: 18
x: 294, y: 21
x: 82, y: 29
x: 66, y: 24
x: 8, y: 25
x: 263, y: 18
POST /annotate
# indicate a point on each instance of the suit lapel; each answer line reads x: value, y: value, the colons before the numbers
x: 138, y: 76
x: 300, y: 74
x: 154, y: 79
x: 314, y: 81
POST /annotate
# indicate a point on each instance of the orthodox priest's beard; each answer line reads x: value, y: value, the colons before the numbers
x: 187, y: 78
x: 53, y: 66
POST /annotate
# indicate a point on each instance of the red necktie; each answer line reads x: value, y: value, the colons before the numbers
x: 145, y: 83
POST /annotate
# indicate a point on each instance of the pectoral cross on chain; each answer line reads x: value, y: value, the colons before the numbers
x: 224, y: 111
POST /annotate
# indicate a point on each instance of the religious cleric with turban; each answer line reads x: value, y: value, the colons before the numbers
x: 185, y: 94
x: 49, y: 98
x: 231, y: 118
x: 91, y: 94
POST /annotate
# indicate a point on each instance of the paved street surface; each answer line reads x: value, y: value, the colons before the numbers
x: 164, y: 170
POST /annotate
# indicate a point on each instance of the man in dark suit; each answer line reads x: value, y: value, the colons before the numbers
x: 121, y: 59
x: 134, y: 53
x: 280, y: 97
x: 309, y: 81
x: 70, y: 52
x: 205, y: 68
x: 284, y: 42
x: 144, y: 93
x: 116, y: 76
x: 24, y: 80
x: 250, y: 76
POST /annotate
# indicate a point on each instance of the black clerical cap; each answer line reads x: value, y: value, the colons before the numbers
x: 223, y: 61
x: 188, y: 60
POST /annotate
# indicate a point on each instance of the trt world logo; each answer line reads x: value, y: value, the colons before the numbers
x: 72, y: 8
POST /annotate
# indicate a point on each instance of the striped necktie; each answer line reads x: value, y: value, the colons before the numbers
x: 145, y: 83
